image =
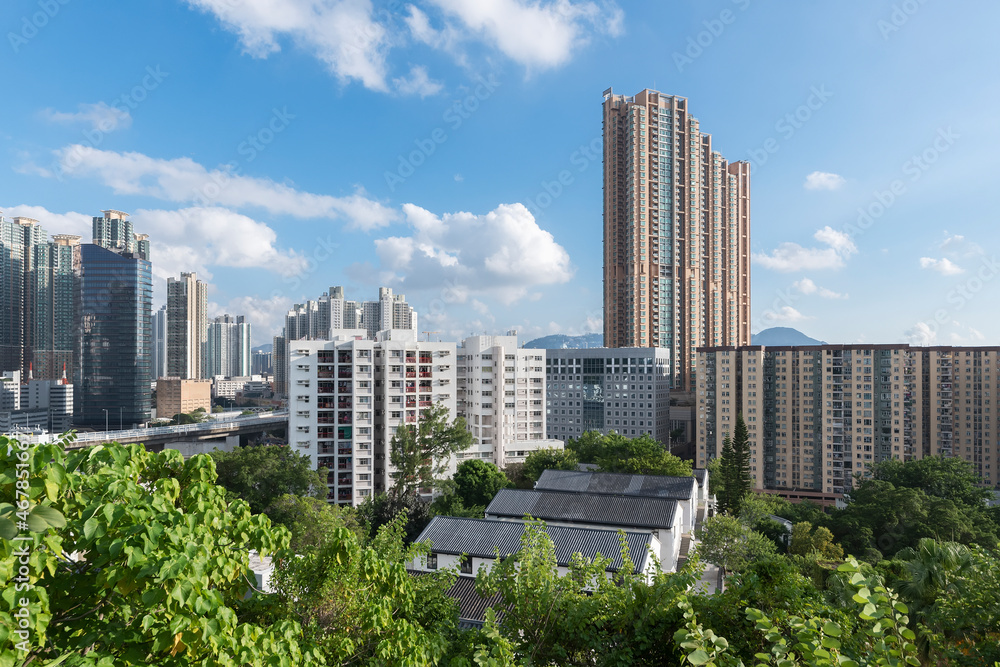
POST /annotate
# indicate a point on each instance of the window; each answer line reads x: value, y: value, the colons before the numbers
x: 466, y: 564
x: 432, y: 561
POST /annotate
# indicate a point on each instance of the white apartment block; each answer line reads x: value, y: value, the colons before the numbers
x: 624, y: 389
x: 349, y: 395
x: 501, y: 394
x: 819, y: 415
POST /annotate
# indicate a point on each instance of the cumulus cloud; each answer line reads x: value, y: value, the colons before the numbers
x: 921, y: 334
x: 957, y: 247
x: 354, y: 39
x: 503, y: 253
x: 97, y: 116
x: 196, y: 239
x: 943, y: 266
x: 417, y: 83
x: 807, y: 286
x: 823, y: 180
x: 784, y: 315
x: 342, y: 34
x: 794, y: 257
x: 71, y: 222
x: 536, y: 34
x: 184, y: 180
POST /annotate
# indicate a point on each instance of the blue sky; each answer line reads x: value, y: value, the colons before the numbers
x: 278, y: 147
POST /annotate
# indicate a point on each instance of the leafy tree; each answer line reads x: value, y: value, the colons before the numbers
x: 950, y: 478
x: 383, y: 508
x: 541, y: 460
x: 806, y: 541
x: 716, y: 483
x: 420, y: 455
x: 727, y: 487
x: 640, y: 456
x: 588, y: 447
x: 730, y: 544
x: 450, y: 504
x: 134, y: 558
x: 359, y: 604
x: 261, y: 474
x: 477, y: 481
x: 736, y: 468
x: 311, y: 521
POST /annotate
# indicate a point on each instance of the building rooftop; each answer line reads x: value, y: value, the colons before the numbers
x: 484, y: 538
x: 585, y: 508
x: 655, y: 486
x: 471, y: 605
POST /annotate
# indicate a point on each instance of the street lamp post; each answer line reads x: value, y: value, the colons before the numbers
x: 121, y: 426
x: 105, y: 419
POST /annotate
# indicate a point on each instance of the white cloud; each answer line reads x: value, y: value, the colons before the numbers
x: 822, y: 180
x: 793, y: 257
x: 503, y: 253
x: 958, y: 247
x: 184, y: 180
x: 72, y: 222
x: 417, y: 83
x: 343, y: 34
x: 98, y: 116
x: 943, y: 266
x: 921, y: 334
x: 973, y: 337
x: 807, y: 286
x: 196, y: 239
x: 534, y: 33
x: 785, y: 315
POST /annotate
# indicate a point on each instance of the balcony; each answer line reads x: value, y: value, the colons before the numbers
x: 344, y: 373
x: 345, y: 418
x: 326, y: 388
x: 424, y: 359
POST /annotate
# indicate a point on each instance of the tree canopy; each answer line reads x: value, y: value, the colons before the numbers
x: 477, y: 481
x: 420, y: 454
x: 616, y: 453
x: 261, y: 474
x: 541, y: 460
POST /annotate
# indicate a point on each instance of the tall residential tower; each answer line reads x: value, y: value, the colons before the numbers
x: 676, y: 233
x: 187, y: 327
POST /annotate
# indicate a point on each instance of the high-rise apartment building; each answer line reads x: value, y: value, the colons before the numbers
x: 501, y: 394
x: 187, y: 326
x: 818, y: 415
x: 349, y: 395
x: 676, y: 233
x: 160, y: 343
x: 317, y: 320
x: 625, y: 390
x: 37, y: 298
x: 114, y: 358
x: 227, y: 352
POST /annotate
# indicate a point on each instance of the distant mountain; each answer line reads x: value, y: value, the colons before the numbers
x: 783, y: 336
x: 266, y: 347
x: 559, y: 341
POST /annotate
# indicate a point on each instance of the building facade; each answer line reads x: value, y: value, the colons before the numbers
x: 349, y: 395
x: 114, y: 357
x: 187, y: 326
x: 227, y: 349
x: 625, y: 390
x: 501, y: 394
x: 176, y: 396
x: 676, y: 233
x: 819, y: 415
x: 159, y: 326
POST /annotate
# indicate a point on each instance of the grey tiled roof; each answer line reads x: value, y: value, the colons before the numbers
x: 699, y: 474
x: 656, y: 486
x: 471, y: 606
x: 482, y: 538
x: 586, y: 508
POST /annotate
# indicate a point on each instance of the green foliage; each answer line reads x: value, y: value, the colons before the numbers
x: 616, y: 453
x: 420, y: 455
x: 477, y: 481
x: 141, y: 561
x: 731, y: 544
x: 359, y: 605
x: 449, y: 503
x: 806, y: 541
x: 311, y: 521
x: 584, y: 617
x: 541, y: 460
x: 381, y: 509
x: 261, y: 474
x: 183, y: 419
x: 880, y: 637
x: 734, y: 467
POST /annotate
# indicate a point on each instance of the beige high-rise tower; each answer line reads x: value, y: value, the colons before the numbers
x: 187, y: 327
x: 676, y: 233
